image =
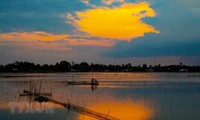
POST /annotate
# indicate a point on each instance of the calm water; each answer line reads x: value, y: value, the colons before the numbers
x: 127, y: 96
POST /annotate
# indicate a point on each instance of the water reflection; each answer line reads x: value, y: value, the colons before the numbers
x: 124, y: 110
x: 159, y: 99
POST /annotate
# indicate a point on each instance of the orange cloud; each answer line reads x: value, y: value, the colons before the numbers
x: 84, y: 42
x: 123, y: 22
x: 36, y: 40
x: 32, y: 36
x: 48, y: 40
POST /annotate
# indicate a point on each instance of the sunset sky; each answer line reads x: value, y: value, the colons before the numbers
x: 100, y: 31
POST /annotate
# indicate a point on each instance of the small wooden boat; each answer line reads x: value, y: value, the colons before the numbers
x: 93, y: 82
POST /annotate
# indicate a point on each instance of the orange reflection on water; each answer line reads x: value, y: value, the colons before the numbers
x: 126, y: 110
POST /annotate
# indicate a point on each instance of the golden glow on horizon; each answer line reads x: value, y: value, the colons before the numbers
x: 128, y: 110
x: 123, y: 22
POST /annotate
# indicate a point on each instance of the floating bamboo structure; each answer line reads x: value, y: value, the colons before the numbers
x: 84, y: 111
x: 43, y: 97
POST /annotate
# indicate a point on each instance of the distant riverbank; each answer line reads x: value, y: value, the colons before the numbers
x: 65, y: 66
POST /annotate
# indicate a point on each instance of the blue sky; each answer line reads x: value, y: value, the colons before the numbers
x: 100, y: 31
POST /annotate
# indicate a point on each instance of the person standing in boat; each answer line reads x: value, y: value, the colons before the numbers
x: 92, y: 81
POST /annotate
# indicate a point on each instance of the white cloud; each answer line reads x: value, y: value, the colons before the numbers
x: 85, y: 1
x: 109, y: 2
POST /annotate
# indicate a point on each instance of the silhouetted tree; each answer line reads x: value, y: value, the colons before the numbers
x: 1, y: 68
x: 63, y: 66
x: 84, y: 67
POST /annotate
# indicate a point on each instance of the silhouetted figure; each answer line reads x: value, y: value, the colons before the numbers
x: 94, y: 84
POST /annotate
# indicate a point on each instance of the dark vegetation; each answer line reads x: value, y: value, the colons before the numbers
x: 65, y: 66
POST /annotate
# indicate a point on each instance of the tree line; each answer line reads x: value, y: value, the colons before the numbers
x: 65, y: 66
